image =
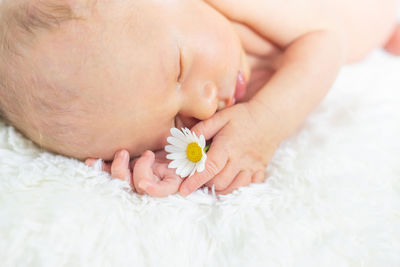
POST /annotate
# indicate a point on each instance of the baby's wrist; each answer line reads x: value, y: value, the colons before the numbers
x: 270, y: 121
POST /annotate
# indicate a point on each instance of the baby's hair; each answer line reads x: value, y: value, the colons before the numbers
x: 20, y: 23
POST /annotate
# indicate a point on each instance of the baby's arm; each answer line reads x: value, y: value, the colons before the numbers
x: 317, y: 38
x: 148, y: 174
x: 308, y: 68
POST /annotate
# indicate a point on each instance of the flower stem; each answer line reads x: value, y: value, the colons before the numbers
x: 206, y: 148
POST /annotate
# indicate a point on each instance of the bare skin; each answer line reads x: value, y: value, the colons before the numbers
x: 292, y: 62
x: 393, y: 46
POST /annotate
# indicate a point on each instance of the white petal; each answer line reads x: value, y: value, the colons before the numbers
x: 194, y: 169
x: 202, y: 141
x: 175, y: 163
x: 201, y: 166
x: 184, y: 131
x: 188, y: 168
x: 204, y: 158
x: 178, y: 155
x: 198, y: 140
x: 194, y: 135
x: 172, y: 149
x: 178, y: 134
x: 180, y: 169
x: 190, y: 136
x: 176, y: 142
x: 188, y: 132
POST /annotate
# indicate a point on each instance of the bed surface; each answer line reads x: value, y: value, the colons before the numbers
x: 332, y: 197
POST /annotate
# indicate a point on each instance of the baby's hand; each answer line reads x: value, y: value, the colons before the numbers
x: 148, y: 174
x: 246, y: 137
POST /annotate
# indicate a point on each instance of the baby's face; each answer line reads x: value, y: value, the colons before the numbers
x: 140, y: 67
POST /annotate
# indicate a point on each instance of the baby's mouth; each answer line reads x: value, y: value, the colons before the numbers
x: 240, y: 90
x: 238, y: 93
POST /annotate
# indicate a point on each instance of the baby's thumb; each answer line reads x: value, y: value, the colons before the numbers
x: 210, y: 127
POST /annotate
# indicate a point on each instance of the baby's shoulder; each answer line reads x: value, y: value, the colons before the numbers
x: 284, y: 21
x: 272, y: 19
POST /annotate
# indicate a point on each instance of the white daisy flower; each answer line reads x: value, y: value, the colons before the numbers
x: 188, y: 152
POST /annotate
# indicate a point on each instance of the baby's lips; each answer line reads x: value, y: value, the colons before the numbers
x: 240, y: 90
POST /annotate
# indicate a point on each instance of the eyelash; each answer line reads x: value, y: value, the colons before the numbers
x: 179, y: 79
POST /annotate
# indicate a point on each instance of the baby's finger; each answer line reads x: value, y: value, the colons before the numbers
x: 90, y: 161
x: 142, y: 171
x: 166, y: 187
x: 258, y: 177
x: 210, y: 127
x: 106, y: 167
x: 120, y: 166
x: 242, y: 179
x: 225, y: 177
x: 216, y: 160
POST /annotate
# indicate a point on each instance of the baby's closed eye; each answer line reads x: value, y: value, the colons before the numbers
x: 180, y: 69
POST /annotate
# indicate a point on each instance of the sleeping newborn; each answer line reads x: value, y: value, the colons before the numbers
x: 87, y: 78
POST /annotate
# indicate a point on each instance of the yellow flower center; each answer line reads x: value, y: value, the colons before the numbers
x: 193, y: 152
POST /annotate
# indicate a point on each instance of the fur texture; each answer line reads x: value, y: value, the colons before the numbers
x: 332, y: 197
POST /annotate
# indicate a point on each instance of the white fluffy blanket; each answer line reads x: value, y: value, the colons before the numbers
x: 332, y: 197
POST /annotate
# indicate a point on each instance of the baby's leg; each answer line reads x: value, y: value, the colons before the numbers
x: 393, y: 46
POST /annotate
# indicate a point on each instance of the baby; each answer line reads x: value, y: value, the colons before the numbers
x: 108, y: 79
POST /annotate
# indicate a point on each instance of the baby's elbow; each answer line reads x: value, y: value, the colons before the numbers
x: 321, y: 46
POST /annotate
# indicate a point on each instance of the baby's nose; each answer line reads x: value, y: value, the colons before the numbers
x: 200, y: 102
x: 226, y: 103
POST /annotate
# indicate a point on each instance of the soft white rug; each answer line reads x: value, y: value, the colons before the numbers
x: 332, y: 197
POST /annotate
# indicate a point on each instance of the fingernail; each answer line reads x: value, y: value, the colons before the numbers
x: 123, y: 155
